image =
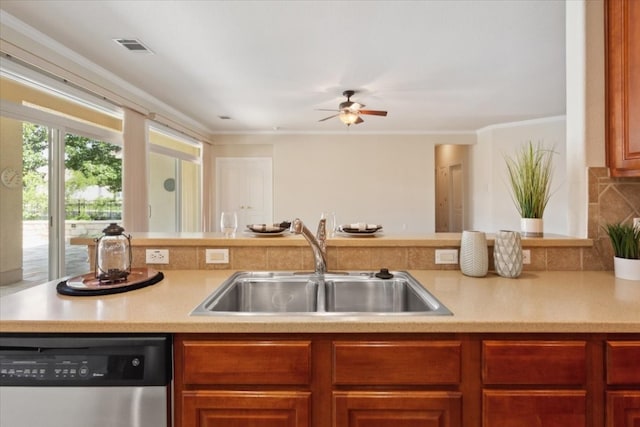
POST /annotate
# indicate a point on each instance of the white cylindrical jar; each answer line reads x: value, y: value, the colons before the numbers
x: 507, y: 253
x: 474, y: 254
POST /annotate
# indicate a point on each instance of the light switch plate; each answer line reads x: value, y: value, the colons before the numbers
x: 446, y: 256
x: 157, y: 256
x: 217, y: 256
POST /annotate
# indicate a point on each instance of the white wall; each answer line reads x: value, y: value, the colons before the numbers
x: 492, y: 208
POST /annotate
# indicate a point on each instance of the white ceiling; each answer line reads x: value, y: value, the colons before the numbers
x: 436, y: 66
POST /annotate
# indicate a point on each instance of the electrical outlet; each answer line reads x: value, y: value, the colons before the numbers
x: 446, y: 256
x: 157, y: 256
x: 217, y: 256
x: 526, y: 256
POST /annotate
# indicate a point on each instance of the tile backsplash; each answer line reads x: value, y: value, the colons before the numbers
x: 610, y: 200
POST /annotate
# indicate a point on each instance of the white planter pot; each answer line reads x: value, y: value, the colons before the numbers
x: 628, y: 269
x: 532, y: 227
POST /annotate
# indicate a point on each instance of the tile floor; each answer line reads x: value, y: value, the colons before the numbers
x: 35, y: 257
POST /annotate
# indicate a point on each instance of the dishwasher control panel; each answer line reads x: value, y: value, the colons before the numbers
x: 71, y: 368
x: 85, y: 360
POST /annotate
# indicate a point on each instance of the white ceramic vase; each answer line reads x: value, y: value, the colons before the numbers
x: 474, y: 254
x: 628, y: 269
x: 507, y: 253
x: 532, y: 227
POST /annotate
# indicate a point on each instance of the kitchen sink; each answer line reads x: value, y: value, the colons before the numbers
x: 264, y: 293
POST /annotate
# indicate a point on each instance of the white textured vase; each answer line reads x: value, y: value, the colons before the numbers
x: 532, y: 227
x: 507, y: 253
x: 474, y: 254
x: 628, y: 269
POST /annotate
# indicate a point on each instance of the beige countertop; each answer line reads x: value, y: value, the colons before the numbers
x: 382, y: 240
x: 573, y: 302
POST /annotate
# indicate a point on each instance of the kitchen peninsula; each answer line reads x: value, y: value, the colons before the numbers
x: 562, y: 345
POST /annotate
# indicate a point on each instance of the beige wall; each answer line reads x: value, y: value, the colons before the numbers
x: 10, y: 203
x: 386, y: 179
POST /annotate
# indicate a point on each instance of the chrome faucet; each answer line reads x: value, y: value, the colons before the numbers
x: 318, y: 242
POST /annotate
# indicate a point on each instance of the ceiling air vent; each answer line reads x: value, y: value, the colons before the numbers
x: 133, y: 45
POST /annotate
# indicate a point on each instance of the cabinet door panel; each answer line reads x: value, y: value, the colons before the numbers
x: 623, y: 409
x: 244, y: 408
x: 396, y: 362
x: 506, y: 408
x: 534, y: 362
x: 623, y: 87
x: 623, y: 362
x: 247, y: 362
x: 397, y: 409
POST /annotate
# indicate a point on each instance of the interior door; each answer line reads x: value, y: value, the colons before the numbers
x: 456, y: 190
x: 244, y: 185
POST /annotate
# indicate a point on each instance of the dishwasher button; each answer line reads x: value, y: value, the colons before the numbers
x: 83, y: 371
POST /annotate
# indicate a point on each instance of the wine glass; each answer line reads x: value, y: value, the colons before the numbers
x: 331, y: 225
x: 229, y: 223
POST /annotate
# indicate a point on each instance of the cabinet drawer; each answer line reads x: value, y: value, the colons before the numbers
x: 534, y: 362
x: 623, y: 362
x: 246, y: 362
x: 396, y: 362
x: 506, y: 408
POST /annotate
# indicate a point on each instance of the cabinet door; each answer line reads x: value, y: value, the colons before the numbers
x: 623, y: 409
x: 623, y: 87
x: 540, y: 408
x: 397, y: 409
x: 245, y: 408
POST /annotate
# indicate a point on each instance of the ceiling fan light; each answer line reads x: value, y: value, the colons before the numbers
x: 348, y: 117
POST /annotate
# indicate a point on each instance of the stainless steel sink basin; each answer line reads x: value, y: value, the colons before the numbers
x: 263, y: 293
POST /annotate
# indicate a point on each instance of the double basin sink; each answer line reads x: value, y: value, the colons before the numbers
x: 251, y: 293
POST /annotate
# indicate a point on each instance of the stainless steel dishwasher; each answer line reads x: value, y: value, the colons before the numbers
x: 57, y: 380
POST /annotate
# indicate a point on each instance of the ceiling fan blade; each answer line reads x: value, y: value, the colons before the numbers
x: 357, y: 122
x: 330, y: 117
x: 373, y: 112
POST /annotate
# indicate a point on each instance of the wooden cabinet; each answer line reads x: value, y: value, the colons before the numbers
x: 258, y: 383
x: 623, y: 87
x: 407, y: 380
x: 399, y: 366
x: 545, y: 383
x: 623, y: 383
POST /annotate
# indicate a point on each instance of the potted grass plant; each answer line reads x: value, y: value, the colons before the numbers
x: 625, y: 240
x: 530, y: 172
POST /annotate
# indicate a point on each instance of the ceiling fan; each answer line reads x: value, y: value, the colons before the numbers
x: 349, y: 111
